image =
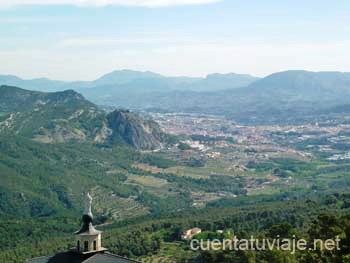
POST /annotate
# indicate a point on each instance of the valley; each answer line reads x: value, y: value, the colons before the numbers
x: 271, y: 156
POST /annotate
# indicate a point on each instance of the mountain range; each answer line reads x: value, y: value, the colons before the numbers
x: 282, y: 97
x: 132, y: 79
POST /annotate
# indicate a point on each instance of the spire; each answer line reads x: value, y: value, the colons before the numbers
x: 88, y: 202
x: 88, y: 238
x: 87, y: 217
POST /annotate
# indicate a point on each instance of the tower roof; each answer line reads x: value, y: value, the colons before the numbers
x: 71, y: 257
x: 88, y: 228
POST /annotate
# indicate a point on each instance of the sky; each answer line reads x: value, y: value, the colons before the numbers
x: 84, y: 39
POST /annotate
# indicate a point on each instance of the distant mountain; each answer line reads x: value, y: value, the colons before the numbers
x: 294, y: 91
x: 143, y: 89
x: 216, y: 81
x: 282, y: 97
x: 39, y: 84
x: 304, y: 84
x: 124, y: 76
x: 63, y: 116
x: 116, y: 87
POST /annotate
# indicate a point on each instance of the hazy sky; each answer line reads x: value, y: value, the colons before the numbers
x: 77, y: 39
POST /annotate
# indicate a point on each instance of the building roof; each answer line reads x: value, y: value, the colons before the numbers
x: 88, y: 230
x: 71, y: 257
x: 108, y: 258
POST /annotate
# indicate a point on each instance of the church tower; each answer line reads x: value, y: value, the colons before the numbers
x: 88, y: 245
x: 88, y: 239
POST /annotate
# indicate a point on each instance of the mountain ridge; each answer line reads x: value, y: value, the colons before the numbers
x: 295, y: 94
x: 114, y: 77
x: 63, y: 116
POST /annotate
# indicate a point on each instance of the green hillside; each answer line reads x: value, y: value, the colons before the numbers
x: 64, y: 116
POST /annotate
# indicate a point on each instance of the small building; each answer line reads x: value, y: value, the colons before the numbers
x: 88, y: 248
x: 190, y: 233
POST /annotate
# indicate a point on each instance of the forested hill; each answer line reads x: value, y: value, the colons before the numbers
x: 63, y: 116
x: 14, y: 99
x: 55, y: 146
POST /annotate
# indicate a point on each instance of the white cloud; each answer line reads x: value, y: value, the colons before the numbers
x: 136, y: 3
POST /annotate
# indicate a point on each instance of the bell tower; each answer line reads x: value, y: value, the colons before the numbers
x: 88, y: 238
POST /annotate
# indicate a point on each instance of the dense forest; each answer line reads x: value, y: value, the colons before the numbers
x: 146, y: 236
